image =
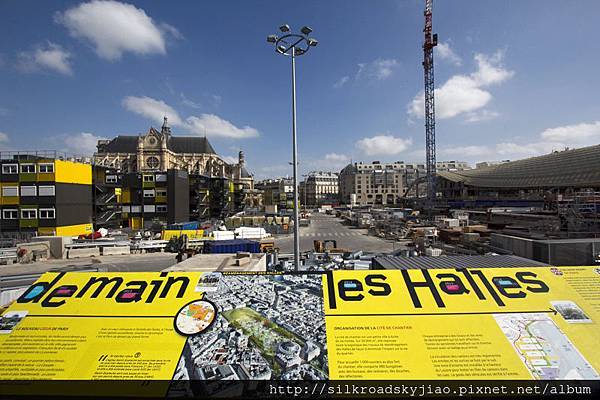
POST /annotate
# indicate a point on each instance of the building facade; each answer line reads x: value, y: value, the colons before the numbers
x: 279, y: 192
x: 377, y: 183
x: 162, y: 151
x: 44, y: 196
x: 215, y: 188
x: 319, y: 188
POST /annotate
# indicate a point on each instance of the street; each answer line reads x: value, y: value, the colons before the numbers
x: 328, y: 227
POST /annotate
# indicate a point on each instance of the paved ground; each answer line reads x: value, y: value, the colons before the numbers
x: 324, y: 227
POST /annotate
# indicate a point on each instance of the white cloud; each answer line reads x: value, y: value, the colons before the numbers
x: 230, y: 159
x: 445, y: 52
x: 481, y: 115
x: 552, y: 139
x: 4, y: 139
x: 466, y: 151
x: 273, y: 171
x: 335, y: 157
x: 331, y: 162
x: 383, y: 145
x: 583, y: 133
x: 49, y: 56
x: 490, y: 70
x: 81, y: 144
x: 216, y: 99
x: 213, y: 125
x: 379, y: 69
x: 341, y: 82
x: 187, y: 102
x: 152, y: 109
x: 205, y: 124
x: 464, y: 94
x: 523, y: 150
x: 115, y: 28
x: 170, y: 30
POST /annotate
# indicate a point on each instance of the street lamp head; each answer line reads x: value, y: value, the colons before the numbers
x: 306, y: 30
x: 272, y: 38
x: 298, y: 51
x: 313, y: 42
x: 281, y: 49
x: 284, y: 28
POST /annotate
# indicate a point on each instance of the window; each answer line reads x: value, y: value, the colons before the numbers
x: 28, y: 191
x: 152, y: 162
x: 149, y: 208
x: 28, y: 168
x: 148, y: 178
x: 46, y: 191
x: 47, y: 213
x: 161, y: 177
x: 161, y: 192
x: 111, y: 179
x: 10, y: 191
x: 161, y: 208
x: 46, y: 168
x: 9, y: 168
x: 136, y: 209
x: 149, y: 193
x: 10, y: 214
x: 29, y: 214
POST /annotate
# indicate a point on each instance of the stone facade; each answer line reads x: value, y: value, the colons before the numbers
x: 161, y: 151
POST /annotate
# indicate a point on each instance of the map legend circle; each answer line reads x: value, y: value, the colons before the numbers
x: 195, y: 317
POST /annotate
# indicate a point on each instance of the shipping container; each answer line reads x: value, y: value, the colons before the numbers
x: 231, y: 246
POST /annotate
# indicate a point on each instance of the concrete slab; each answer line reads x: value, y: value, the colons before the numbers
x: 84, y: 252
x: 116, y: 250
x: 221, y: 262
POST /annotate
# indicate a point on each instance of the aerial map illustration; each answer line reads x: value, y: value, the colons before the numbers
x: 266, y: 327
x: 544, y: 348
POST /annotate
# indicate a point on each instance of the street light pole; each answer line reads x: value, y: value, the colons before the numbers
x: 293, y: 44
x: 295, y: 161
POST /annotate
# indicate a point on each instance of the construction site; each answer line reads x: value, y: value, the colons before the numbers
x: 159, y: 193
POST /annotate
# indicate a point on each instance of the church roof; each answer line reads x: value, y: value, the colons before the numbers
x: 245, y: 173
x: 177, y: 144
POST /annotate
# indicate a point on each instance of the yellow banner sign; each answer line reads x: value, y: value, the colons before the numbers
x: 488, y: 323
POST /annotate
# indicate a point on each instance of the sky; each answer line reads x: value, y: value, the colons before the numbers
x: 513, y: 79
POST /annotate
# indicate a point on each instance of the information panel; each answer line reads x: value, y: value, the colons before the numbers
x: 481, y: 324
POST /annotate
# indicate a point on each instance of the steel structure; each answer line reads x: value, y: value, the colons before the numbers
x: 428, y: 44
x: 294, y: 45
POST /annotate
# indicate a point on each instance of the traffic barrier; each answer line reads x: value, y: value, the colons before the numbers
x: 84, y: 252
x: 116, y: 250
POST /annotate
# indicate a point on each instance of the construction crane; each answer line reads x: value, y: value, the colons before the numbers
x: 428, y: 44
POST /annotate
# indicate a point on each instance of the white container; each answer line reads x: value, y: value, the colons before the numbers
x: 223, y: 235
x: 433, y: 252
x: 251, y: 233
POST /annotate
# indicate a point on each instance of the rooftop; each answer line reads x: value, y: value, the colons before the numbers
x: 177, y: 144
x: 508, y: 261
x: 220, y: 263
x: 572, y: 168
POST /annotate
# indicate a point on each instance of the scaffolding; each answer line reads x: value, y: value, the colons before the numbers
x: 580, y: 211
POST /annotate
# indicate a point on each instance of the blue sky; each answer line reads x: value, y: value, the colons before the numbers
x: 514, y: 78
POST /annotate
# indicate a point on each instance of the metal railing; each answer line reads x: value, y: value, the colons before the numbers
x: 45, y: 154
